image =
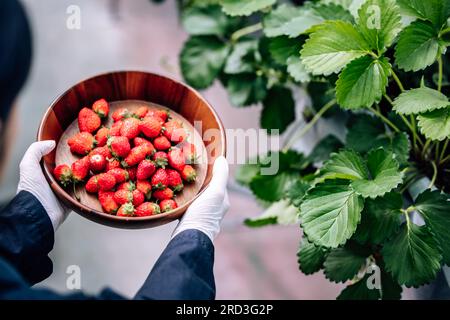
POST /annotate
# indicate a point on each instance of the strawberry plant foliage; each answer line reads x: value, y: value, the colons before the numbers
x: 378, y: 67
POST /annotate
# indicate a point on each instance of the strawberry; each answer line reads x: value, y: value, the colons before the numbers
x: 160, y: 179
x: 159, y: 113
x: 132, y: 172
x: 174, y: 180
x: 119, y: 146
x: 112, y: 164
x: 120, y: 114
x: 97, y: 162
x: 147, y: 209
x: 88, y: 120
x: 176, y: 159
x: 163, y: 194
x: 145, y: 187
x: 161, y: 143
x: 150, y: 127
x: 160, y: 159
x: 104, y: 151
x: 173, y: 130
x: 189, y: 152
x: 102, y: 136
x: 63, y: 174
x: 81, y: 143
x: 120, y: 174
x: 126, y: 210
x: 136, y: 155
x: 188, y: 173
x: 130, y: 128
x: 115, y: 128
x: 140, y: 112
x: 101, y: 107
x: 145, y: 169
x: 138, y: 141
x: 138, y: 198
x: 106, y: 181
x: 80, y: 169
x: 128, y: 186
x: 123, y: 196
x: 107, y: 201
x: 167, y: 205
x: 92, y: 185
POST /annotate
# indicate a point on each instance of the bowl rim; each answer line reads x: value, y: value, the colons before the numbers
x: 59, y: 191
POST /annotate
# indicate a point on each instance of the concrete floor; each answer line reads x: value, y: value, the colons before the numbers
x: 115, y: 35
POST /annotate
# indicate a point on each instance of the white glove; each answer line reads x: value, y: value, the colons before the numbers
x: 207, y: 211
x: 32, y: 180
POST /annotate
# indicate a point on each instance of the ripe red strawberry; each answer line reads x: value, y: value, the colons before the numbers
x: 119, y: 146
x: 132, y: 173
x: 138, y: 198
x: 138, y: 141
x: 92, y: 185
x: 63, y: 174
x: 189, y: 152
x: 80, y: 169
x: 120, y: 174
x: 151, y: 127
x: 106, y: 181
x: 126, y: 210
x: 97, y: 162
x: 123, y: 196
x: 160, y: 179
x: 174, y: 180
x: 88, y: 120
x: 128, y: 186
x: 120, y: 114
x: 102, y: 136
x: 107, y: 201
x: 115, y: 128
x: 163, y: 194
x: 136, y: 155
x: 104, y: 151
x: 176, y: 159
x: 167, y: 205
x: 145, y: 169
x: 81, y: 143
x: 130, y: 128
x: 160, y: 159
x: 159, y: 113
x: 112, y: 164
x: 188, y: 173
x: 161, y: 143
x: 147, y: 209
x: 101, y: 107
x: 140, y: 112
x: 145, y: 187
x: 173, y: 130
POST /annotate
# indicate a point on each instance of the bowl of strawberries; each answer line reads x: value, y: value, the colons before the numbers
x: 134, y: 149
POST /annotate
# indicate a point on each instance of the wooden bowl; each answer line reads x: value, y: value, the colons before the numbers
x: 132, y: 89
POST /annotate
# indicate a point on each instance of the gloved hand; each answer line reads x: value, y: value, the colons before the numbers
x: 32, y: 180
x: 207, y: 211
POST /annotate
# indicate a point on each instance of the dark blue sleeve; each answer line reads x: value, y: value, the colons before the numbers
x: 184, y: 271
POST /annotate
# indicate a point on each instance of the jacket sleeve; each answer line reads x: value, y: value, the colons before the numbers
x: 26, y: 237
x: 184, y: 271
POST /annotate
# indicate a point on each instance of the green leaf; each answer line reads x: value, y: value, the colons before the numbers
x: 346, y: 164
x: 330, y: 213
x: 246, y: 89
x: 400, y: 145
x: 332, y: 46
x: 412, y: 256
x: 260, y: 221
x: 281, y: 212
x: 245, y: 173
x: 380, y: 219
x: 274, y: 22
x: 208, y: 20
x: 343, y: 264
x: 435, y: 125
x: 363, y: 82
x: 279, y: 109
x: 297, y: 192
x: 390, y: 289
x: 434, y: 207
x: 359, y: 291
x: 320, y: 94
x: 363, y: 132
x: 281, y: 48
x: 417, y: 46
x: 324, y: 148
x: 332, y: 11
x: 420, y: 100
x: 311, y: 257
x: 436, y: 11
x: 271, y: 187
x: 301, y: 23
x: 379, y: 22
x: 384, y: 172
x: 244, y: 8
x: 201, y: 59
x: 242, y: 58
x: 297, y: 70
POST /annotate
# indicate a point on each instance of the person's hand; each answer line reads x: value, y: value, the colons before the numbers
x: 207, y: 211
x: 32, y: 180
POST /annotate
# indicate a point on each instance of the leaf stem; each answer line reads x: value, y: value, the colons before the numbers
x: 397, y: 79
x: 444, y: 150
x: 309, y: 125
x: 441, y: 72
x: 425, y: 147
x: 435, y: 172
x: 246, y: 31
x: 385, y: 120
x: 447, y: 158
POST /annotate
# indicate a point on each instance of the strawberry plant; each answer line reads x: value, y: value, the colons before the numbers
x: 381, y: 65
